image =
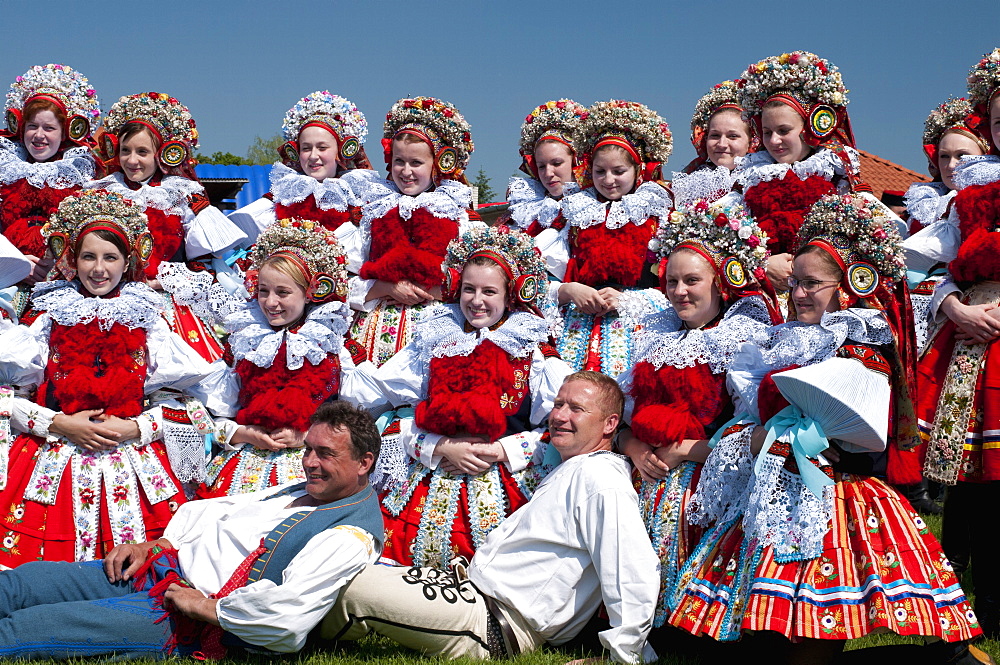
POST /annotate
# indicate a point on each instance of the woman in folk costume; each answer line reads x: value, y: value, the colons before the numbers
x: 951, y: 132
x: 676, y: 392
x: 808, y: 541
x: 958, y: 408
x: 608, y: 229
x: 720, y: 136
x: 324, y: 139
x: 44, y: 156
x: 147, y: 144
x: 797, y: 103
x: 287, y: 355
x: 480, y: 372
x: 90, y: 470
x: 408, y: 220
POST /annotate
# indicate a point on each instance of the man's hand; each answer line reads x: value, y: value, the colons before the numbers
x: 121, y: 563
x: 192, y: 603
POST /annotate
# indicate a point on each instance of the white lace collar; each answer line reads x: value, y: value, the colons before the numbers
x: 926, y: 201
x: 449, y: 200
x: 663, y: 340
x: 530, y: 202
x: 976, y: 170
x: 135, y: 306
x: 440, y: 333
x: 252, y: 338
x: 74, y: 169
x: 170, y: 196
x: 709, y: 182
x: 758, y: 167
x: 584, y: 210
x: 804, y: 343
x: 288, y: 186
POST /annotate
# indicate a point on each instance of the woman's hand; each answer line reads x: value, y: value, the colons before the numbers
x: 125, y: 427
x: 586, y: 298
x: 779, y: 269
x: 80, y: 429
x: 472, y: 455
x: 400, y: 293
x: 288, y: 437
x: 39, y: 269
x: 611, y: 297
x: 643, y: 456
x: 256, y: 436
x: 977, y: 324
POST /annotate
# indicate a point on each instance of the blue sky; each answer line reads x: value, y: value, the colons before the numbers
x: 240, y: 65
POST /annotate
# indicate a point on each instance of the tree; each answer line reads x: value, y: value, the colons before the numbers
x: 482, y: 184
x: 224, y: 158
x: 264, y: 151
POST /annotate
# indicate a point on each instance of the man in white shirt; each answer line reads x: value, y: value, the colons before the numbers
x: 256, y: 570
x: 543, y: 573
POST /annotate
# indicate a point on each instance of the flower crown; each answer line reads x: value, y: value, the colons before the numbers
x: 642, y: 127
x: 163, y: 113
x: 513, y: 251
x: 313, y: 248
x: 447, y: 129
x: 342, y: 116
x: 728, y: 233
x: 862, y: 234
x: 721, y: 94
x: 559, y: 117
x: 64, y: 85
x: 93, y: 209
x: 805, y: 76
x: 953, y: 113
x: 984, y: 80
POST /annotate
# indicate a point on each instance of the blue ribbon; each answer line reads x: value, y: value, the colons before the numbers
x: 807, y: 440
x: 914, y: 277
x: 714, y: 441
x: 383, y: 421
x: 226, y: 275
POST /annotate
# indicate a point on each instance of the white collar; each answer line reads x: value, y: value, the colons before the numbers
x: 440, y: 333
x: 74, y: 169
x: 135, y: 306
x: 926, y: 201
x: 289, y: 186
x: 709, y: 182
x: 758, y: 167
x: 530, y: 202
x: 449, y: 200
x: 976, y: 170
x: 584, y: 210
x: 252, y: 338
x: 170, y: 196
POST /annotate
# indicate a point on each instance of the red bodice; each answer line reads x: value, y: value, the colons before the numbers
x: 330, y: 219
x: 600, y: 256
x: 24, y: 209
x: 411, y: 249
x: 779, y: 206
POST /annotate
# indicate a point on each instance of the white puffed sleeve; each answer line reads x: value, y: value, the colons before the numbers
x: 418, y: 444
x: 28, y: 417
x: 944, y: 288
x: 254, y: 217
x: 172, y: 363
x: 13, y: 266
x: 547, y: 376
x: 349, y: 236
x: 403, y: 378
x: 554, y: 247
x: 219, y: 391
x: 24, y: 352
x: 358, y: 288
x: 209, y: 232
x: 938, y: 242
x: 359, y: 385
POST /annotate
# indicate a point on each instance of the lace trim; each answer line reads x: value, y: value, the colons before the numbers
x: 759, y: 167
x: 639, y: 306
x: 208, y: 299
x: 136, y: 305
x: 710, y: 183
x: 584, y: 210
x: 170, y: 196
x: 927, y: 201
x: 440, y: 333
x: 253, y: 339
x: 724, y: 485
x: 74, y: 169
x: 976, y: 170
x: 662, y: 341
x: 289, y: 186
x: 529, y: 202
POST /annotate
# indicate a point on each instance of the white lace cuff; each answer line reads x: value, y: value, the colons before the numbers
x: 28, y: 417
x: 357, y: 296
x: 520, y: 448
x: 253, y: 218
x: 210, y: 232
x: 150, y: 424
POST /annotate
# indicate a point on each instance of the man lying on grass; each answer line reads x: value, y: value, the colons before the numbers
x: 257, y: 570
x: 543, y: 573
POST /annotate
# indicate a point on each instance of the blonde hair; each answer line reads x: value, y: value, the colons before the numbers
x: 286, y: 266
x: 610, y: 397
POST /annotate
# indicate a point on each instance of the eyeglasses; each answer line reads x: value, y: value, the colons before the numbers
x: 809, y: 285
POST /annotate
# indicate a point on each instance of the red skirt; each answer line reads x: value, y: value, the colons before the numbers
x: 249, y: 469
x: 33, y: 531
x: 434, y: 516
x: 881, y: 569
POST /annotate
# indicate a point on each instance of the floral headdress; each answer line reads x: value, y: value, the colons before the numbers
x: 333, y: 113
x: 440, y: 125
x: 629, y: 125
x: 166, y: 117
x: 553, y: 121
x: 65, y: 87
x: 952, y: 115
x: 316, y: 251
x: 984, y: 86
x: 722, y: 96
x: 858, y: 234
x: 92, y: 210
x: 808, y: 84
x: 513, y: 251
x: 725, y: 235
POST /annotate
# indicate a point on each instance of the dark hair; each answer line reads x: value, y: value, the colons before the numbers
x: 829, y: 262
x: 132, y: 128
x: 365, y: 437
x: 116, y: 240
x: 611, y: 397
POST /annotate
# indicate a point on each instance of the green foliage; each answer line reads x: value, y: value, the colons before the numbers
x: 224, y: 158
x: 264, y: 151
x: 482, y: 183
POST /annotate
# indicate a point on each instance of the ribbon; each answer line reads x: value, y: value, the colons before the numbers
x: 383, y: 421
x: 807, y: 440
x: 714, y: 441
x: 226, y: 275
x: 914, y: 277
x: 7, y: 302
